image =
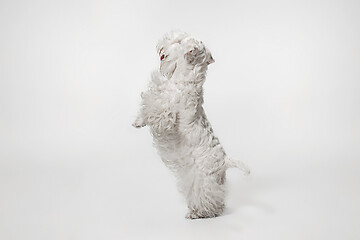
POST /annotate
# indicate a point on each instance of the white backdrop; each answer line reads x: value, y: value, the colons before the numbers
x: 283, y: 95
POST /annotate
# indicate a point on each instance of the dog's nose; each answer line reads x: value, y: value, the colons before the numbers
x: 210, y: 61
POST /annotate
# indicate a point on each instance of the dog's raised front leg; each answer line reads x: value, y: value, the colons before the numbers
x: 140, y: 119
x: 139, y: 122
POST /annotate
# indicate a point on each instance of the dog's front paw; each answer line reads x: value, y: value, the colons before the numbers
x: 139, y: 123
x: 246, y: 170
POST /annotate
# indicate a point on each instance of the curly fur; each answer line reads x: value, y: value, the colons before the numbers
x: 172, y: 108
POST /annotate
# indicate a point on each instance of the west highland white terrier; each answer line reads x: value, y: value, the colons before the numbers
x: 183, y: 136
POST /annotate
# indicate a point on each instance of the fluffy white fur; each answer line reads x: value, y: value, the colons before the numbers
x: 172, y: 108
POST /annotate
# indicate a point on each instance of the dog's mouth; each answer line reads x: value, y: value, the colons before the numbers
x: 168, y: 69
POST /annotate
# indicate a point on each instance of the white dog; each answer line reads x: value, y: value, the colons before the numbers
x: 172, y: 108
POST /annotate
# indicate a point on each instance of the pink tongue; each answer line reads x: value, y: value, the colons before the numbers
x: 162, y: 57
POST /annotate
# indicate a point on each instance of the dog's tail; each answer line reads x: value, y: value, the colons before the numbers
x: 231, y: 163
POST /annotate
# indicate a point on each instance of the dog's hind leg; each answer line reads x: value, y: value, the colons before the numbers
x: 206, y: 198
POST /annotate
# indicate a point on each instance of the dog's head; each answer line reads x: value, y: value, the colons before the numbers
x: 178, y: 48
x: 195, y: 52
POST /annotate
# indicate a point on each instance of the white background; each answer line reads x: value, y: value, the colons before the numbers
x: 283, y: 96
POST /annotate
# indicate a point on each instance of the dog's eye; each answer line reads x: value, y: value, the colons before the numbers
x: 162, y: 57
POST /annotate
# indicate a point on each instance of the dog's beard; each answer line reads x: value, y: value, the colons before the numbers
x: 168, y: 68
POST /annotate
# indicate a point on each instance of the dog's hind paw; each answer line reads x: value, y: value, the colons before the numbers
x: 191, y: 215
